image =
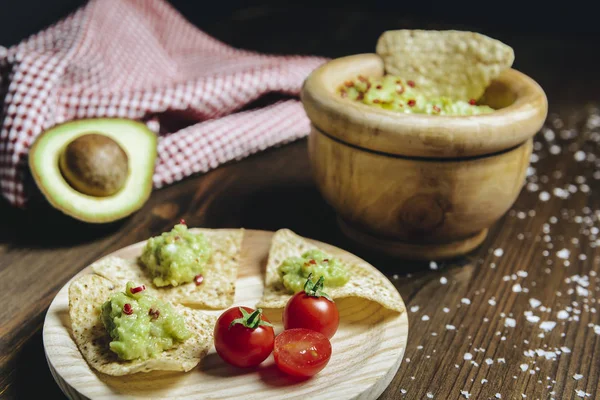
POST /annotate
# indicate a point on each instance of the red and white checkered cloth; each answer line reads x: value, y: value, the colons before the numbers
x: 138, y: 59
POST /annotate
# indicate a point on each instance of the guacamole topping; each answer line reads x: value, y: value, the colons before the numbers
x: 394, y: 93
x: 141, y: 325
x: 294, y: 271
x: 176, y: 257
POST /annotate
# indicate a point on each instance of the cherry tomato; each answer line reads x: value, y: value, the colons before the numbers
x: 301, y: 352
x: 316, y: 313
x: 243, y: 337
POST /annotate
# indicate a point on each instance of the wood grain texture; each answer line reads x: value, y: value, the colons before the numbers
x: 41, y: 250
x: 416, y: 208
x: 367, y: 349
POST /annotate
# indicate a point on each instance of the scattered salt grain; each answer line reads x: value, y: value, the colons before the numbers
x: 414, y: 309
x: 498, y: 395
x: 544, y: 196
x: 579, y: 156
x: 534, y: 303
x: 450, y: 327
x: 562, y: 314
x: 446, y: 310
x: 499, y: 252
x: 581, y: 393
x: 524, y: 367
x: 489, y: 361
x: 547, y: 325
x: 577, y: 377
x: 425, y: 318
x: 433, y: 265
x: 582, y: 291
x: 443, y: 280
x: 510, y: 322
x: 517, y: 288
x: 465, y: 301
x: 430, y: 395
x: 563, y: 254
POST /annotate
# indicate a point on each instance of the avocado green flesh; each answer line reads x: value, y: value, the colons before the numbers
x: 152, y: 327
x: 394, y: 93
x: 294, y: 271
x: 133, y: 137
x: 176, y: 257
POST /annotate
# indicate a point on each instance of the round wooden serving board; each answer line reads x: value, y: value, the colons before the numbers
x: 367, y: 350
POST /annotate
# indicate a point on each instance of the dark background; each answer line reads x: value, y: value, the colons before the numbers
x: 19, y: 18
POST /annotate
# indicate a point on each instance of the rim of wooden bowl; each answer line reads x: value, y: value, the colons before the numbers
x: 420, y: 135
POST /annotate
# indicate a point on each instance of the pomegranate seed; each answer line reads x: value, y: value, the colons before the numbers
x: 349, y: 83
x: 378, y: 87
x: 326, y: 260
x: 312, y: 262
x: 436, y: 109
x: 182, y: 221
x: 127, y: 309
x: 411, y: 102
x: 411, y: 83
x: 472, y: 102
x: 138, y: 289
x: 198, y: 279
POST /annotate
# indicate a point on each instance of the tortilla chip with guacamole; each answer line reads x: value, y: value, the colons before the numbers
x: 140, y: 335
x: 196, y: 267
x: 292, y: 259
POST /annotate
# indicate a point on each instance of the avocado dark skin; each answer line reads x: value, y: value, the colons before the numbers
x: 95, y: 165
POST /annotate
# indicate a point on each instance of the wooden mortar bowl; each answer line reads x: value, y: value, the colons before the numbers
x: 412, y: 185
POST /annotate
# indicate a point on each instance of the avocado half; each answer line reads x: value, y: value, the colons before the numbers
x: 95, y: 170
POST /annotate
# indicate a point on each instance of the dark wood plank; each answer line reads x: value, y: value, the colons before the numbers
x: 40, y: 250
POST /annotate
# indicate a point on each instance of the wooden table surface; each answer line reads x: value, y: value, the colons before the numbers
x: 476, y: 324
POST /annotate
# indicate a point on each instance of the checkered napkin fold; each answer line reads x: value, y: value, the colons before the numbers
x: 140, y: 59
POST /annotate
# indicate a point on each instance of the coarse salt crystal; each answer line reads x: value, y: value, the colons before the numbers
x: 581, y: 393
x: 517, y: 288
x: 582, y: 291
x: 562, y: 314
x: 563, y: 254
x: 425, y: 318
x: 414, y: 309
x: 498, y: 395
x: 468, y: 356
x: 524, y: 367
x: 547, y: 325
x: 579, y: 155
x: 433, y: 265
x: 489, y: 361
x: 577, y: 377
x: 443, y: 280
x: 446, y: 310
x: 450, y: 327
x: 466, y: 301
x: 510, y: 322
x: 544, y: 196
x: 534, y: 303
x: 499, y: 252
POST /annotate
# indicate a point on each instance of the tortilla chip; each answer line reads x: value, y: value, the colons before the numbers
x: 217, y: 291
x: 89, y: 292
x: 450, y: 63
x: 365, y: 281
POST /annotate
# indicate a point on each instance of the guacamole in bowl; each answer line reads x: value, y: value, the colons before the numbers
x: 391, y: 92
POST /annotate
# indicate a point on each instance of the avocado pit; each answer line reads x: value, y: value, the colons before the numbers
x: 95, y: 165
